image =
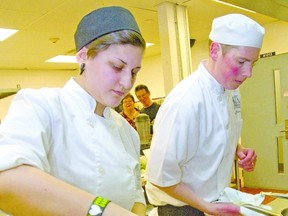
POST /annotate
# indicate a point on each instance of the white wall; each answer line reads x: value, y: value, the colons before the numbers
x: 276, y: 38
x: 151, y: 73
x: 30, y: 79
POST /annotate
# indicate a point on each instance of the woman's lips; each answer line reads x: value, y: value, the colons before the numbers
x: 119, y: 93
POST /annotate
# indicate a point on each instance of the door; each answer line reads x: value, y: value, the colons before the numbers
x: 265, y: 114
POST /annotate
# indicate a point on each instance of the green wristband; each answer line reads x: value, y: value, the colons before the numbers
x: 97, y: 207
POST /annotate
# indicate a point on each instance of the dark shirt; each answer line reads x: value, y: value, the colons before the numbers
x: 151, y: 111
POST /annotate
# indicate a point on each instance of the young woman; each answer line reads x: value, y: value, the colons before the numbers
x: 64, y: 151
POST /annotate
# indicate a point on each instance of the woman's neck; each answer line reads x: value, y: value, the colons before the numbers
x: 99, y: 110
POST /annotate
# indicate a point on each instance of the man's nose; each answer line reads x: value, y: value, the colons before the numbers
x: 248, y: 71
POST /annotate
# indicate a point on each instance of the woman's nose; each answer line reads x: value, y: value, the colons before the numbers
x: 126, y: 79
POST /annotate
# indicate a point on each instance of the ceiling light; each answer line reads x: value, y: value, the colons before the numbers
x: 62, y: 59
x: 231, y: 5
x: 149, y: 44
x: 5, y: 33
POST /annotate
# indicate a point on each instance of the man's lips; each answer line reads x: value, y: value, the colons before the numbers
x: 239, y: 81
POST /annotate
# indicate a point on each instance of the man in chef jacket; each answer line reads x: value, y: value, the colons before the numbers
x: 197, y: 128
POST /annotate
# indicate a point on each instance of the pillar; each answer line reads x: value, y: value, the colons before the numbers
x: 175, y: 43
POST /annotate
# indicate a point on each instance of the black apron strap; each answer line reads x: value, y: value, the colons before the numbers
x: 169, y: 210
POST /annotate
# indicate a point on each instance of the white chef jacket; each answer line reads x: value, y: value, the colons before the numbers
x: 57, y: 131
x: 195, y: 137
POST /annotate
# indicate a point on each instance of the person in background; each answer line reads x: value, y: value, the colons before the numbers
x: 129, y: 111
x: 197, y: 128
x: 149, y: 107
x: 65, y: 151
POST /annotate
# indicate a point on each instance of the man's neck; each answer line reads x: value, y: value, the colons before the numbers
x: 148, y: 104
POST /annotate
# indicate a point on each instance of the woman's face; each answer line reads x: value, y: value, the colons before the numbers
x: 111, y: 74
x: 235, y: 66
x: 128, y: 103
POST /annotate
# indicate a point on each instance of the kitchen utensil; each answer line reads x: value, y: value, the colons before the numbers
x: 143, y: 128
x: 278, y: 195
x: 258, y: 209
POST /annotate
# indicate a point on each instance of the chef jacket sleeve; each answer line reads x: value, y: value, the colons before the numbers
x: 174, y: 143
x: 24, y: 133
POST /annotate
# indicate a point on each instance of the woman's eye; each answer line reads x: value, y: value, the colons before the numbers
x: 118, y: 68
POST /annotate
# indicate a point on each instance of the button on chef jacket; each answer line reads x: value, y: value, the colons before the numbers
x: 57, y: 131
x: 195, y: 137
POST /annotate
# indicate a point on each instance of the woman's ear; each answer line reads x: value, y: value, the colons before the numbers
x: 215, y: 50
x: 81, y: 55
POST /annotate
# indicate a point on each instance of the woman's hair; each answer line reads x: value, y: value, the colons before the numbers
x: 115, y: 38
x: 127, y: 96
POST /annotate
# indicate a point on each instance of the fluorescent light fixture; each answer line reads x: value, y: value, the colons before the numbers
x: 5, y: 33
x: 72, y: 59
x: 231, y: 5
x: 62, y: 59
x: 149, y: 44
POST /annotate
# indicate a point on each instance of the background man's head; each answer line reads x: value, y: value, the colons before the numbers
x: 143, y: 94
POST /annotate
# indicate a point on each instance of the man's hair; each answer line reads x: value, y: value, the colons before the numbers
x: 140, y: 87
x: 225, y: 48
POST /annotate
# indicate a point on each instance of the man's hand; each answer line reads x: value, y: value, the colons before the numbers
x: 247, y: 158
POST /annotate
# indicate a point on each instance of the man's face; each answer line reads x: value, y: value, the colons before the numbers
x: 143, y: 96
x: 235, y: 66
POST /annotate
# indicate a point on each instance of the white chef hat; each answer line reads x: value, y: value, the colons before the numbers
x: 237, y: 30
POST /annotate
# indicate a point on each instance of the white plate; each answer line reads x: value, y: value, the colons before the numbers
x: 278, y: 195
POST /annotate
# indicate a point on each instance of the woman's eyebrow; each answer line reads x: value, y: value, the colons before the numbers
x: 139, y: 67
x: 121, y: 60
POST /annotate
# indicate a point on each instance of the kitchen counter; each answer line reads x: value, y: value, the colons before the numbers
x: 279, y: 204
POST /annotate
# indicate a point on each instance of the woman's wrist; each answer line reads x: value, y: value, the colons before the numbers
x: 98, y: 206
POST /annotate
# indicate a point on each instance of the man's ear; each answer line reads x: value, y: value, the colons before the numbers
x: 81, y: 55
x: 215, y: 50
